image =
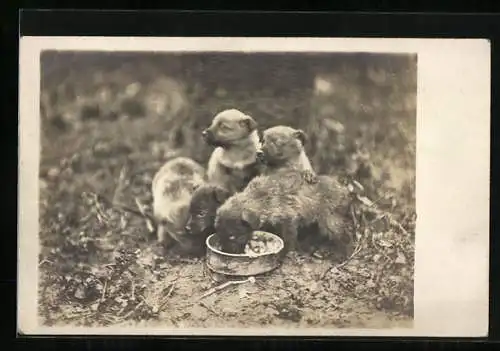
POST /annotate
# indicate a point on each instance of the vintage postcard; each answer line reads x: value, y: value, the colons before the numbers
x: 254, y: 186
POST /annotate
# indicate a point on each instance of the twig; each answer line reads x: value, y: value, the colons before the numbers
x: 80, y: 315
x: 375, y: 245
x: 120, y: 184
x: 44, y: 261
x: 353, y: 215
x: 144, y: 300
x: 110, y: 318
x: 404, y: 134
x: 340, y: 265
x: 99, y: 218
x: 121, y: 311
x: 100, y: 211
x: 225, y: 285
x: 397, y: 224
x: 135, y: 309
x: 133, y: 292
x: 141, y: 208
x: 170, y: 291
x: 208, y: 308
x: 123, y: 223
x: 165, y: 300
x: 86, y: 217
x: 104, y: 290
x: 366, y: 201
x: 373, y: 203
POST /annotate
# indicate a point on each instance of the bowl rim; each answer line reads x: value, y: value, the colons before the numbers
x: 281, y: 242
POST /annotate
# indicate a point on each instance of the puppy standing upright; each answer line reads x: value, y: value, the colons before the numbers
x: 282, y: 148
x: 233, y: 163
x: 172, y: 188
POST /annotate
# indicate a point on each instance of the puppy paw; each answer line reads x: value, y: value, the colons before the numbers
x: 291, y: 244
x: 310, y: 177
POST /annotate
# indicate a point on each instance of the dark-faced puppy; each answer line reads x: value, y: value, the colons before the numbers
x: 232, y: 230
x: 202, y: 210
x: 239, y: 216
x: 233, y: 163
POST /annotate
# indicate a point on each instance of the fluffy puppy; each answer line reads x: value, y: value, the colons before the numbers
x: 282, y: 148
x: 285, y: 202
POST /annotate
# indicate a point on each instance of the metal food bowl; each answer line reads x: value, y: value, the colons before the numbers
x: 244, y: 264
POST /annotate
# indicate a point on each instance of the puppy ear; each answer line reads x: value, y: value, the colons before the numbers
x: 221, y: 195
x: 250, y: 218
x: 301, y: 135
x: 249, y: 123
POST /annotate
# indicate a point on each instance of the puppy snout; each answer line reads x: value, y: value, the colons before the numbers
x: 207, y: 134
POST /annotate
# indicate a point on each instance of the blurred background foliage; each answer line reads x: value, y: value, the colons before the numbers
x: 359, y: 109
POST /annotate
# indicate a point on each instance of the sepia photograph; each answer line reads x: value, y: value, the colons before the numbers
x: 236, y: 189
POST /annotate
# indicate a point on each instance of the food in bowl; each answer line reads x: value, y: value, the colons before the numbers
x: 261, y: 243
x: 263, y: 254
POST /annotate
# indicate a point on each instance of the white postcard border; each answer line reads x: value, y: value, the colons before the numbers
x: 452, y: 191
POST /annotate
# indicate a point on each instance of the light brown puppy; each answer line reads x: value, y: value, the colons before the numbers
x: 234, y: 161
x: 172, y: 189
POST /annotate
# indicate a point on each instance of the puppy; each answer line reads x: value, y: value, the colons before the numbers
x: 172, y: 188
x: 233, y: 163
x: 202, y: 210
x: 282, y: 148
x: 285, y: 201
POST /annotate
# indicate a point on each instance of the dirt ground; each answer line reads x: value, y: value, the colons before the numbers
x: 99, y: 265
